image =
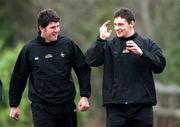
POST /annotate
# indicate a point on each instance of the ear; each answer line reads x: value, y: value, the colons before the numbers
x: 40, y: 28
x: 132, y: 23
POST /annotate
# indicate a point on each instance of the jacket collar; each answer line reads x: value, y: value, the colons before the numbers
x: 128, y: 38
x: 41, y: 40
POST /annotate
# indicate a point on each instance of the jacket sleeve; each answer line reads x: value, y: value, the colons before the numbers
x: 82, y: 70
x: 154, y: 57
x: 95, y: 54
x: 18, y: 79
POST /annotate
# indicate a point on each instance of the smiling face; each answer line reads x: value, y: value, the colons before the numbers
x: 123, y: 28
x: 48, y: 25
x: 50, y: 32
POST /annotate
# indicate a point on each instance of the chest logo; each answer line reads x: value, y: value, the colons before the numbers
x: 36, y: 58
x: 48, y: 56
x: 62, y: 55
x: 125, y: 51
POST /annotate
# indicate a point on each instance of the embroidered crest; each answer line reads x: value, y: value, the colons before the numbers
x: 62, y: 54
x: 36, y: 58
x: 48, y: 56
x: 125, y: 51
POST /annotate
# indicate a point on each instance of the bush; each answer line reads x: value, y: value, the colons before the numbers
x: 8, y: 58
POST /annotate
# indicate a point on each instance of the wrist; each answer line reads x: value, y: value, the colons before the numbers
x: 13, y: 107
x: 84, y: 97
x: 102, y: 37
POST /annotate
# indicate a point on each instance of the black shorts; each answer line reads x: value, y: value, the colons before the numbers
x: 129, y: 116
x: 48, y: 115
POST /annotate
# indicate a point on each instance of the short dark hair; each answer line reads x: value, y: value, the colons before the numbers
x: 125, y: 13
x: 46, y: 16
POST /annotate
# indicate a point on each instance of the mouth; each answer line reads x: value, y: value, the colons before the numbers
x: 54, y: 35
x: 119, y: 32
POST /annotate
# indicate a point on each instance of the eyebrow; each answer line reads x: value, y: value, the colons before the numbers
x: 119, y: 23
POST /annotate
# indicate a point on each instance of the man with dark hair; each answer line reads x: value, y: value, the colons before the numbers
x: 129, y: 63
x: 47, y: 61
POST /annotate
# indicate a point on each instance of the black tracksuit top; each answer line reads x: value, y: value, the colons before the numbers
x: 127, y: 77
x: 48, y: 66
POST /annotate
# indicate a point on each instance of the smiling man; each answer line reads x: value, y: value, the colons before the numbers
x: 129, y: 63
x: 47, y: 60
